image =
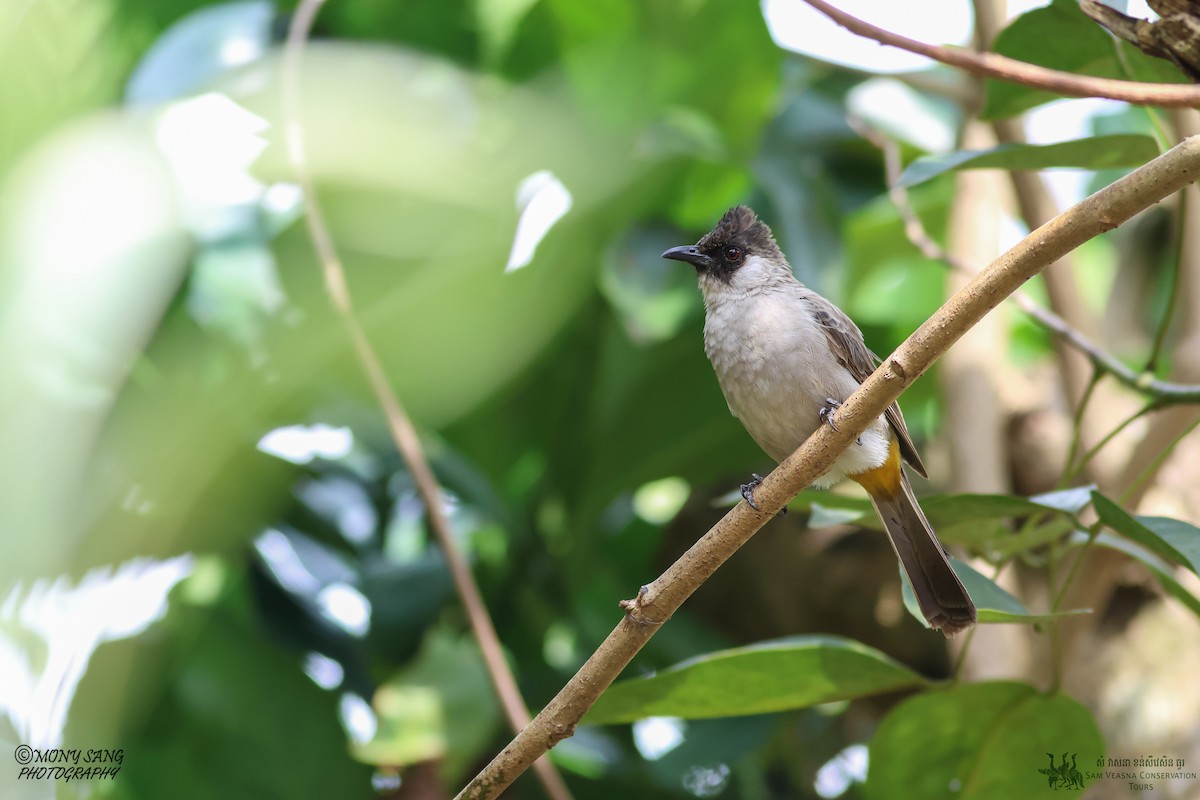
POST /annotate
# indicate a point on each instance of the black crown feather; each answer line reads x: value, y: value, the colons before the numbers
x: 740, y: 226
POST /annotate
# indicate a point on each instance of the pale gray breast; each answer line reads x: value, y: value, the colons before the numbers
x: 774, y: 366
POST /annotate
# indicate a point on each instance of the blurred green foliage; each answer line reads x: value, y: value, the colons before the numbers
x: 548, y: 394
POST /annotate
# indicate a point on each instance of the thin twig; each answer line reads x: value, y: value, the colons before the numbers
x: 992, y: 65
x: 1072, y: 472
x: 1157, y: 462
x: 657, y: 601
x: 1077, y: 424
x: 403, y: 432
x: 1056, y: 632
x: 1168, y: 314
x: 1164, y: 393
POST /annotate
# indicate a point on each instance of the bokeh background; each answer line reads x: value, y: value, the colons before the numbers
x: 211, y: 555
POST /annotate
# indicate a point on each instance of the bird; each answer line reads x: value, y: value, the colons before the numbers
x: 786, y: 358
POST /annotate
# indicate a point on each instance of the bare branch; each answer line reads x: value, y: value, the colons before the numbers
x: 992, y: 65
x: 403, y: 432
x: 1163, y: 393
x: 659, y: 600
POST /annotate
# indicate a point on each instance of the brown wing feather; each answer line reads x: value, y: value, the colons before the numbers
x: 846, y: 342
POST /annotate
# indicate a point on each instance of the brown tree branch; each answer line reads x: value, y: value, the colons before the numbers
x: 992, y: 65
x: 657, y: 601
x: 1163, y: 393
x: 403, y: 432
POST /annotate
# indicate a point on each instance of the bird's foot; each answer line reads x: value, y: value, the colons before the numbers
x: 826, y: 412
x: 748, y: 490
x: 748, y: 493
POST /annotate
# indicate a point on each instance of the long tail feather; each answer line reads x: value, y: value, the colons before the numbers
x: 943, y: 598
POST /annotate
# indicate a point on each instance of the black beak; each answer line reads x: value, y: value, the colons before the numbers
x: 691, y: 254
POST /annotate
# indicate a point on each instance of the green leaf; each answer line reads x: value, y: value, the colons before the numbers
x: 1097, y: 152
x: 1161, y: 569
x: 1182, y: 537
x: 977, y: 742
x: 953, y: 509
x: 982, y: 536
x: 786, y: 674
x: 945, y: 510
x: 1175, y: 541
x: 1058, y: 36
x: 993, y: 603
x: 1055, y: 529
x: 968, y: 519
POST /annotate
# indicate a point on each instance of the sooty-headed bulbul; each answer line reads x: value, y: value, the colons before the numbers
x: 786, y: 358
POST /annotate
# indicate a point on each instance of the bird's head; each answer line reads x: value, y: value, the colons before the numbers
x: 738, y: 254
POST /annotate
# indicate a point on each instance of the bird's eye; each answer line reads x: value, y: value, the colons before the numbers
x: 733, y: 254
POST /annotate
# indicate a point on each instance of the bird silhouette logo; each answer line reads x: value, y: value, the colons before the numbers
x: 1063, y: 775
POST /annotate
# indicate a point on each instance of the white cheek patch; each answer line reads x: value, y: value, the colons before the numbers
x: 751, y: 275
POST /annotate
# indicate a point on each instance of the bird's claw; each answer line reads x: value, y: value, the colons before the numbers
x: 748, y: 493
x: 826, y: 412
x: 748, y: 490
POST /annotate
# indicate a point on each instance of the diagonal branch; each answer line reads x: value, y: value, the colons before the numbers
x: 403, y: 432
x: 993, y: 65
x: 1162, y: 393
x: 657, y: 601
